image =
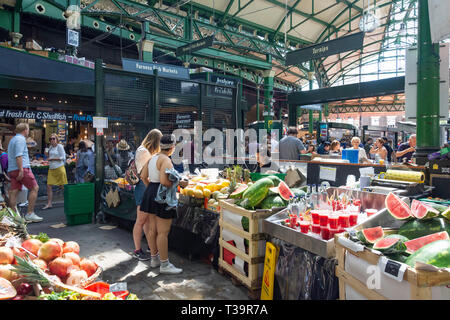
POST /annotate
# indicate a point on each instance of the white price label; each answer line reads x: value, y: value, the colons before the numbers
x: 392, y: 269
x: 13, y: 242
x: 119, y: 286
x: 100, y: 122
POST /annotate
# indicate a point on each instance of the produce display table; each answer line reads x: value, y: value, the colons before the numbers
x: 315, y: 176
x: 125, y: 210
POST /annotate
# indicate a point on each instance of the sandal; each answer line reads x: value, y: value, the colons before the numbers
x: 47, y: 207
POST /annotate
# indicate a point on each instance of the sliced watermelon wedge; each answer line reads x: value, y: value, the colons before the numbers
x: 446, y: 214
x: 237, y: 194
x: 397, y: 207
x: 285, y: 192
x: 390, y: 245
x: 415, y: 244
x: 370, y: 235
x: 422, y: 211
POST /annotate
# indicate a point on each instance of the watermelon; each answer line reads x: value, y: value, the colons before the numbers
x: 415, y: 244
x: 389, y: 245
x: 446, y: 214
x: 397, y: 236
x: 439, y: 207
x: 397, y: 207
x: 397, y: 256
x: 298, y: 192
x: 271, y: 202
x: 370, y: 235
x: 419, y: 228
x: 285, y: 192
x: 273, y: 191
x: 256, y: 193
x: 422, y: 211
x: 236, y: 194
x: 436, y: 253
x: 276, y: 181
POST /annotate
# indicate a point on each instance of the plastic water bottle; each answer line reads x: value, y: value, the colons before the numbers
x: 314, y: 197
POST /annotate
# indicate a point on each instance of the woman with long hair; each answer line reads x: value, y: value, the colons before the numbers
x: 160, y: 214
x: 148, y: 147
x: 57, y: 171
x: 378, y: 148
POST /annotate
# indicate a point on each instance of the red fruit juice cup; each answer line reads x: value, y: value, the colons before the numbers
x: 353, y: 219
x: 304, y: 226
x: 315, y: 216
x: 344, y: 220
x: 333, y: 220
x: 371, y: 212
x: 315, y: 228
x: 325, y: 232
x: 293, y: 219
x: 323, y: 218
x: 333, y: 232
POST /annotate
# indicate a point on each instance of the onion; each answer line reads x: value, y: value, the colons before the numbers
x: 76, y: 277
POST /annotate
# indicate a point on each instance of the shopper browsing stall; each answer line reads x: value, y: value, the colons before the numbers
x: 290, y: 147
x: 112, y: 170
x: 85, y: 164
x: 335, y: 147
x: 19, y: 170
x: 123, y: 154
x: 160, y: 215
x: 148, y: 148
x: 57, y: 171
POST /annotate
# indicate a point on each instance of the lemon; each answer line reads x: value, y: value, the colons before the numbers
x: 199, y: 187
x: 210, y: 187
x: 225, y: 183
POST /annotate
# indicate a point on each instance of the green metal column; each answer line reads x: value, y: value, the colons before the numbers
x: 257, y: 101
x: 268, y: 96
x: 99, y: 111
x: 155, y: 104
x: 428, y: 132
x: 310, y: 78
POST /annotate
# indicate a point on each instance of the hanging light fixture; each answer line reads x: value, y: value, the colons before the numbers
x: 369, y: 22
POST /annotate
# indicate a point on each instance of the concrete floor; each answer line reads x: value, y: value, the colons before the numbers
x: 110, y: 247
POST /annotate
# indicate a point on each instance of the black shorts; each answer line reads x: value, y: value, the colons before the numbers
x: 150, y: 206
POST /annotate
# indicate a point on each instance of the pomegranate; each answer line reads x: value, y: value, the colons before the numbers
x: 49, y: 251
x: 32, y: 245
x: 7, y: 272
x: 60, y: 267
x: 89, y: 266
x: 40, y: 263
x: 71, y: 246
x: 72, y: 256
x: 76, y: 277
x: 24, y: 289
x: 6, y: 255
x: 20, y: 253
x: 61, y: 242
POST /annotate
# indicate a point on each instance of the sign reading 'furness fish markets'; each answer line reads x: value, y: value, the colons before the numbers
x: 165, y: 70
x: 325, y: 49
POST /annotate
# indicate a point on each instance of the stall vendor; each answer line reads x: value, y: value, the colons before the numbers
x: 406, y: 150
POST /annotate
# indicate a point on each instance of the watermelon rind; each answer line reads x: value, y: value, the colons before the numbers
x: 446, y: 214
x: 236, y: 194
x: 439, y: 207
x: 415, y: 244
x: 397, y: 207
x: 436, y: 253
x: 419, y: 228
x: 284, y: 191
x: 370, y: 235
x: 397, y: 236
x: 270, y: 202
x: 423, y: 211
x: 273, y: 192
x: 397, y: 256
x: 276, y: 181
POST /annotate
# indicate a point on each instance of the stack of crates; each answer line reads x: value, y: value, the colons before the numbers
x: 79, y: 203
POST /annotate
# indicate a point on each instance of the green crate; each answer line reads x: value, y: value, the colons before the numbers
x: 255, y: 176
x: 79, y: 198
x: 76, y: 219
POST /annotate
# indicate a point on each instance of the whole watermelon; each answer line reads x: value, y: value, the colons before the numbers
x: 276, y: 181
x: 436, y: 253
x: 256, y: 193
x: 271, y: 202
x: 418, y: 228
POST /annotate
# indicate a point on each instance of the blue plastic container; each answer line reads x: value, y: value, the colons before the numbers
x: 351, y: 155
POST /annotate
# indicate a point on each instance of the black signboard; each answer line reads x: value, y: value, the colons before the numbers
x: 325, y: 49
x: 195, y: 46
x: 47, y: 115
x: 222, y: 85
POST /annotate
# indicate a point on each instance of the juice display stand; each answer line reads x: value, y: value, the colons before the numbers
x: 255, y: 254
x: 353, y: 278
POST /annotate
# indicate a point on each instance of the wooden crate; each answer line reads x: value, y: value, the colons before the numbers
x: 256, y: 242
x: 420, y: 282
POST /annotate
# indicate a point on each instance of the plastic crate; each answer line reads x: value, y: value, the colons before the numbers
x: 76, y: 219
x: 79, y: 199
x: 256, y: 175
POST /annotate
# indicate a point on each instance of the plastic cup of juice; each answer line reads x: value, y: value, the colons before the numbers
x: 304, y: 226
x: 325, y: 232
x: 353, y: 218
x: 315, y: 216
x: 293, y: 220
x: 333, y: 232
x: 315, y: 228
x: 344, y: 220
x: 333, y: 220
x: 323, y: 218
x: 371, y: 212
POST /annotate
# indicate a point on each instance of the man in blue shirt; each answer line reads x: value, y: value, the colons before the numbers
x: 19, y: 171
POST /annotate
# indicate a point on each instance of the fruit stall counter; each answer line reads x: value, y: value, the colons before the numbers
x: 41, y: 172
x: 336, y: 173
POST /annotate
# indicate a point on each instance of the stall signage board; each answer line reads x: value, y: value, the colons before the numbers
x: 327, y: 173
x: 325, y: 49
x: 165, y: 70
x: 206, y: 42
x: 62, y: 131
x: 184, y: 120
x: 73, y: 38
x: 100, y: 122
x: 46, y: 115
x: 315, y: 107
x: 218, y: 90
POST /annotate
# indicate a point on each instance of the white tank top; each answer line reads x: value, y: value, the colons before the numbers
x: 153, y: 172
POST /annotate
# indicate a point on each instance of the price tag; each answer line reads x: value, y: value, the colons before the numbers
x: 100, y: 122
x: 13, y: 242
x: 119, y: 286
x: 392, y: 269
